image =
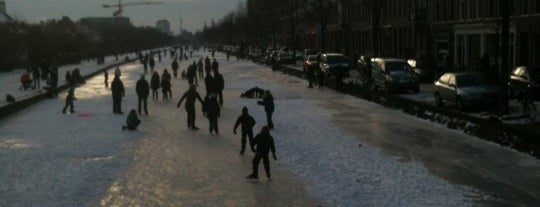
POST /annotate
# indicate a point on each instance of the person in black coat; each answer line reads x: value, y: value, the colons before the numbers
x: 69, y: 100
x: 191, y: 95
x: 247, y: 123
x: 268, y: 103
x: 132, y: 121
x: 175, y: 67
x: 155, y: 84
x: 210, y: 85
x: 118, y: 92
x: 219, y: 84
x: 143, y: 90
x: 166, y: 85
x: 212, y: 110
x: 264, y: 144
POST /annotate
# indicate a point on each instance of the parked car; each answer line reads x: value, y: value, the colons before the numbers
x: 524, y: 78
x: 311, y: 63
x: 393, y: 74
x: 465, y: 89
x: 309, y: 52
x: 285, y: 58
x: 422, y: 71
x: 331, y: 63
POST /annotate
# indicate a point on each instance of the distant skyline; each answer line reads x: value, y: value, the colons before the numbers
x: 193, y: 12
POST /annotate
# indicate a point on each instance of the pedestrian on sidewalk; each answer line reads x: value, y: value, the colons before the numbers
x: 143, y: 89
x: 155, y: 85
x: 268, y: 103
x: 191, y: 95
x: 212, y: 110
x: 69, y: 100
x: 117, y: 87
x: 264, y: 144
x: 247, y: 123
x: 132, y: 121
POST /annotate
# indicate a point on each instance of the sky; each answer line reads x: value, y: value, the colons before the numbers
x: 193, y: 12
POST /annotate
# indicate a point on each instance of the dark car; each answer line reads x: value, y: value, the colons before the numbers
x: 523, y: 79
x: 331, y: 63
x: 285, y: 58
x: 311, y: 63
x: 393, y: 74
x: 466, y: 89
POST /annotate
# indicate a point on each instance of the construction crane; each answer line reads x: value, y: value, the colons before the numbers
x: 121, y: 6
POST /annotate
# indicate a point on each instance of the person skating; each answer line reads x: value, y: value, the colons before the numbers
x: 106, y: 76
x: 191, y: 95
x: 209, y: 84
x: 118, y: 92
x: 219, y: 84
x: 212, y: 110
x: 268, y: 103
x: 247, y: 123
x: 254, y: 92
x: 151, y: 63
x: 143, y: 90
x: 166, y: 85
x: 69, y: 100
x: 155, y: 84
x: 200, y: 69
x: 132, y: 121
x: 264, y: 144
x: 175, y: 67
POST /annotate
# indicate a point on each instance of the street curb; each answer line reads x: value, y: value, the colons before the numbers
x: 488, y: 129
x: 19, y: 105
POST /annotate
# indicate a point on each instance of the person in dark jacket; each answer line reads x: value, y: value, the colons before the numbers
x: 151, y: 63
x: 143, y: 90
x: 212, y: 110
x: 191, y: 95
x: 268, y: 103
x: 219, y: 84
x: 69, y: 100
x: 132, y: 121
x: 36, y: 75
x: 210, y: 84
x: 264, y: 144
x: 247, y: 123
x: 118, y: 92
x: 175, y: 67
x: 166, y: 85
x: 192, y: 73
x: 254, y: 92
x: 155, y: 84
x: 106, y: 74
x: 200, y: 69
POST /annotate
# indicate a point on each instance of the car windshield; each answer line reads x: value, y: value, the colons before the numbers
x: 471, y: 80
x: 336, y: 59
x: 391, y: 67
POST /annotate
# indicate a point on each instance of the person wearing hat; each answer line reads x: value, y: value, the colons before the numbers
x: 247, y: 123
x: 191, y: 95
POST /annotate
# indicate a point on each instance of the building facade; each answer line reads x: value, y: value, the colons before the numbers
x: 461, y: 34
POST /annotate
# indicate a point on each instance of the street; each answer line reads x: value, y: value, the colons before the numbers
x: 332, y: 150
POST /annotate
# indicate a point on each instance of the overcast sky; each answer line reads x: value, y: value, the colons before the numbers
x: 193, y: 12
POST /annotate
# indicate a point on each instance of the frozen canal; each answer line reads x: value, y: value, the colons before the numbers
x: 332, y: 150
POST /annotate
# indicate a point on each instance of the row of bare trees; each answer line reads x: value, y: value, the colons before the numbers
x: 23, y: 44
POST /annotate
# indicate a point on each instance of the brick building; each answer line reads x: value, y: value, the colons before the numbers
x: 463, y: 33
